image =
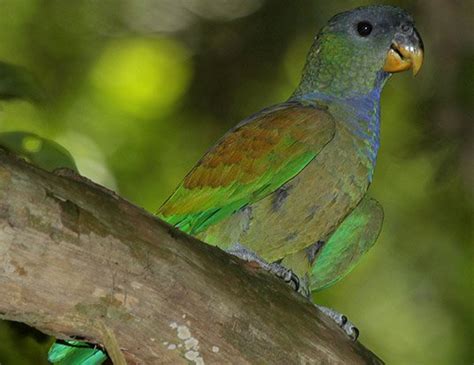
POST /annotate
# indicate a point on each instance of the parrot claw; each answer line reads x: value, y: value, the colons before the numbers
x: 287, y: 275
x: 298, y: 285
x: 342, y: 321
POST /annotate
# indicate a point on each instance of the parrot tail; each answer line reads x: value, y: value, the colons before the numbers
x: 75, y: 353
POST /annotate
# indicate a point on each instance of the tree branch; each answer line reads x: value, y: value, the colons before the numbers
x: 79, y: 261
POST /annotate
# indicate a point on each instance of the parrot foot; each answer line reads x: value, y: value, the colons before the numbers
x: 275, y: 268
x: 342, y: 321
x: 286, y: 275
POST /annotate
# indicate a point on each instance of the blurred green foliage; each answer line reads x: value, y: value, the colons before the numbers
x: 138, y: 90
x: 17, y: 83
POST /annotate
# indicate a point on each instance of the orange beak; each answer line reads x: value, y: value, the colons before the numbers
x: 405, y: 54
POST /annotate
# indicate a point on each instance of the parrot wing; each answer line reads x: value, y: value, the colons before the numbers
x: 249, y: 162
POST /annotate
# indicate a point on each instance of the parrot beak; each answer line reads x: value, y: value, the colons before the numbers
x: 406, y: 52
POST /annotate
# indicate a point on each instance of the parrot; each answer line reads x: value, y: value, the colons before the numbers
x: 287, y: 186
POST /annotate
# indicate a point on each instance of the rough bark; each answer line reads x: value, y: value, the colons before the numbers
x: 77, y: 260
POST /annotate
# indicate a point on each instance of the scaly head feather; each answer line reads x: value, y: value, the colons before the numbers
x: 358, y: 50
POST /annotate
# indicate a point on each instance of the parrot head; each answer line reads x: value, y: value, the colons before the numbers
x: 361, y: 48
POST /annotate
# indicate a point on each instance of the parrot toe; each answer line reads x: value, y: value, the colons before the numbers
x: 287, y: 275
x: 341, y: 320
x: 351, y: 330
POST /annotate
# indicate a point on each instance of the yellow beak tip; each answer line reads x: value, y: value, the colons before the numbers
x: 402, y: 58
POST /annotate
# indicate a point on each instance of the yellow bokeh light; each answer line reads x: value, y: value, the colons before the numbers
x: 141, y: 76
x: 32, y: 144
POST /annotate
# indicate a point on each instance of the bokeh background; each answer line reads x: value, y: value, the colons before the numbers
x: 137, y: 90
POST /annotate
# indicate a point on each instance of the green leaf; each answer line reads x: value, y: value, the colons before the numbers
x: 41, y: 152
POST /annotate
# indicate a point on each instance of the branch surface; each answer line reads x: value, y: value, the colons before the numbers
x: 77, y: 260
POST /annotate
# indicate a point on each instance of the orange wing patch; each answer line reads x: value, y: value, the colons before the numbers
x: 252, y: 159
x: 238, y: 155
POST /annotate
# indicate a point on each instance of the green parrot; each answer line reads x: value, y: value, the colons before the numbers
x: 287, y: 186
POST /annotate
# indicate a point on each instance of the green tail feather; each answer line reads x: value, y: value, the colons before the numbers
x: 352, y: 239
x: 75, y: 353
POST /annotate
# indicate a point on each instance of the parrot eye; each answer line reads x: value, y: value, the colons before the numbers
x: 364, y: 29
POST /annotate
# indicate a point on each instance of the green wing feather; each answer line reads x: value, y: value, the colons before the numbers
x: 75, y: 353
x: 352, y: 239
x: 251, y: 161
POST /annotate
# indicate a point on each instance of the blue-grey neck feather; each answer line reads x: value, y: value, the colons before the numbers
x: 360, y: 114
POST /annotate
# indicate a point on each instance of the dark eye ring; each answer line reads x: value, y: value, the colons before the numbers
x: 364, y: 29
